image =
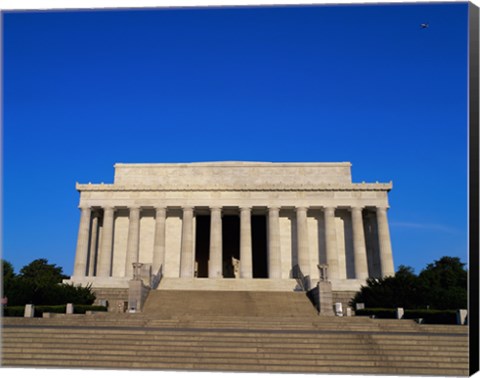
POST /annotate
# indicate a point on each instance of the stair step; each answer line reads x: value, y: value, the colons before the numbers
x: 240, y: 331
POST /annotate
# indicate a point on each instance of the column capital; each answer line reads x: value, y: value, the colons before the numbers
x: 329, y: 209
x: 218, y: 208
x: 85, y: 208
x: 162, y: 211
x: 245, y: 208
x: 301, y: 208
x: 381, y: 208
x: 108, y: 208
x: 357, y: 208
x: 187, y: 208
x: 273, y: 208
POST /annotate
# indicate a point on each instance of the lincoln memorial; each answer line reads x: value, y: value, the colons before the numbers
x: 233, y: 226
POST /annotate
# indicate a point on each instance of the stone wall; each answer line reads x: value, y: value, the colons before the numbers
x: 113, y: 296
x: 344, y: 297
x: 232, y: 174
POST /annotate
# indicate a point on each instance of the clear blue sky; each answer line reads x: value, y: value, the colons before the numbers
x: 365, y: 84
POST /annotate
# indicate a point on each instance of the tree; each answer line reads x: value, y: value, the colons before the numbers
x: 441, y: 285
x: 41, y: 273
x: 400, y: 290
x: 40, y: 283
x: 444, y: 283
x: 8, y: 275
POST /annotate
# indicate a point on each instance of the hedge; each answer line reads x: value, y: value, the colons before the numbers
x: 59, y: 309
x: 381, y: 313
x: 428, y: 316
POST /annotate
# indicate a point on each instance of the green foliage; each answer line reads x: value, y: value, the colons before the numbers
x: 82, y: 309
x: 41, y: 273
x: 13, y: 311
x: 69, y: 293
x: 7, y: 270
x: 444, y: 283
x: 390, y: 292
x: 432, y: 316
x: 381, y: 313
x: 40, y: 283
x: 18, y: 311
x: 441, y: 285
x: 8, y: 275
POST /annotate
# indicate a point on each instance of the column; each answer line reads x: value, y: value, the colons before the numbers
x: 215, y: 261
x: 81, y: 256
x: 105, y: 258
x: 274, y: 257
x: 246, y: 265
x: 331, y: 242
x: 302, y: 241
x: 93, y: 245
x: 386, y: 259
x: 359, y: 246
x: 159, y: 239
x: 186, y: 258
x: 132, y: 240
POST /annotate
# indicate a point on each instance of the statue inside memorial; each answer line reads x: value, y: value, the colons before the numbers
x: 231, y: 268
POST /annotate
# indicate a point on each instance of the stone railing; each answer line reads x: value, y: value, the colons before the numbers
x: 156, y: 278
x: 302, y: 280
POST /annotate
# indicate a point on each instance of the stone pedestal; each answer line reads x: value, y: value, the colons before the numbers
x: 338, y: 309
x: 69, y: 308
x: 29, y: 311
x: 325, y: 304
x: 359, y: 306
x: 137, y: 294
x: 462, y: 317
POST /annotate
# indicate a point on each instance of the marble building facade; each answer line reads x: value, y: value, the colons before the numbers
x: 233, y: 226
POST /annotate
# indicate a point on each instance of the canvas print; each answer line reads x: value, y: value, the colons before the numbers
x: 277, y: 189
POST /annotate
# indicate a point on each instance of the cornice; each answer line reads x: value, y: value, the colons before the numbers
x: 238, y: 188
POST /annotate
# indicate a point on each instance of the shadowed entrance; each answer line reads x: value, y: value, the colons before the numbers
x: 230, y: 244
x: 202, y: 245
x: 259, y: 246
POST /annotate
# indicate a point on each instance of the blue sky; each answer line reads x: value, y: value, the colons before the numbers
x: 366, y: 84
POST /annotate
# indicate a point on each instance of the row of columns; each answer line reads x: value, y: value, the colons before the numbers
x: 215, y: 266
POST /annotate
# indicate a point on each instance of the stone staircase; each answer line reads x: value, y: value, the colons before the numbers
x: 174, y: 303
x: 261, y: 332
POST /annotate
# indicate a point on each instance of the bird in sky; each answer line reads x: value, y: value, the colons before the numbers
x: 424, y: 25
